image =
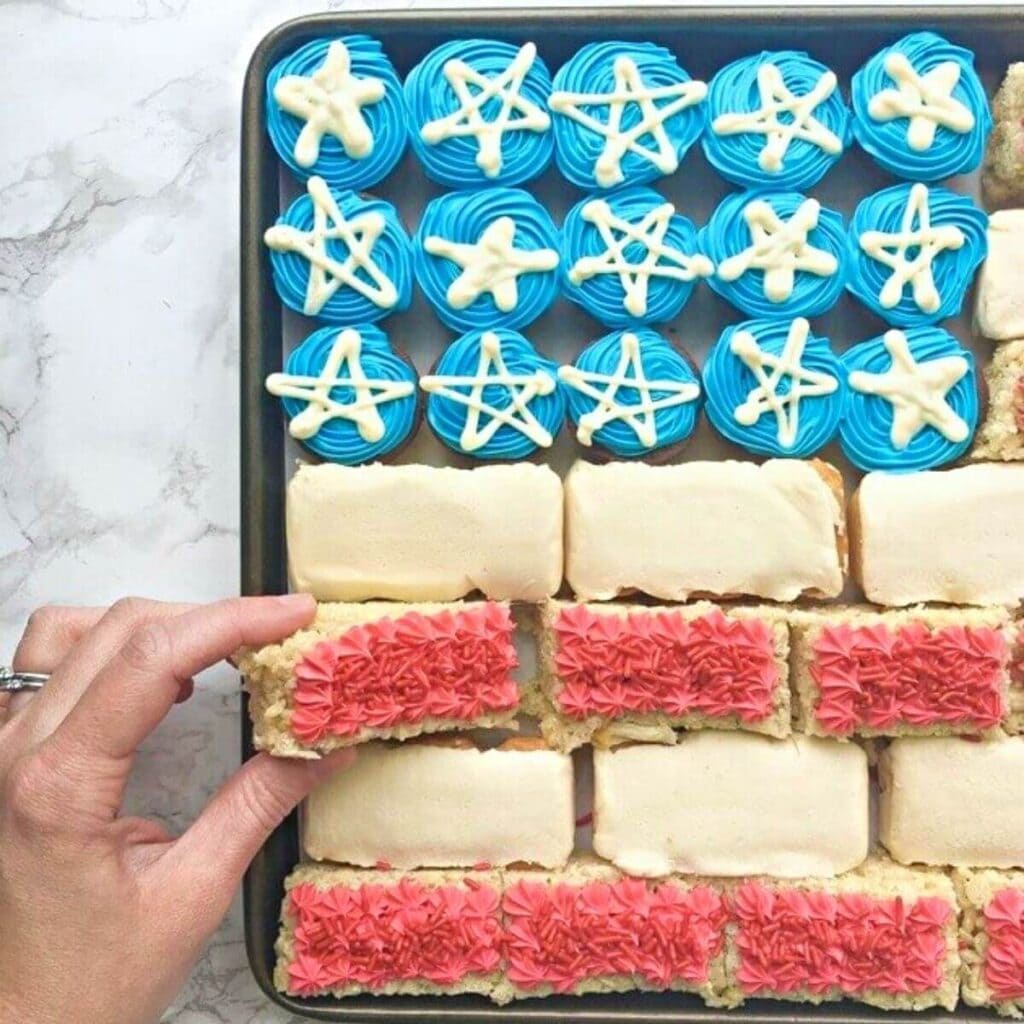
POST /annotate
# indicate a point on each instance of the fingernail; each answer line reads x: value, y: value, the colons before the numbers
x: 293, y: 602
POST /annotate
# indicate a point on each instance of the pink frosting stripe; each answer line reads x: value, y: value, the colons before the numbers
x: 877, y: 677
x: 1004, y: 955
x: 611, y: 665
x: 374, y: 934
x: 790, y: 940
x: 454, y: 665
x: 561, y: 935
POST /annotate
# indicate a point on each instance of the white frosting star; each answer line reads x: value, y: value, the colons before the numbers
x: 330, y: 101
x: 916, y: 391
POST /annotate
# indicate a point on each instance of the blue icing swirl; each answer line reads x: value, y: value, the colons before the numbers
x: 462, y: 160
x: 462, y: 408
x: 592, y: 72
x: 739, y: 403
x: 463, y: 218
x: 346, y: 431
x: 866, y: 432
x: 886, y: 140
x: 598, y: 287
x: 378, y: 292
x: 632, y: 393
x: 952, y: 269
x: 735, y: 90
x: 386, y: 117
x: 728, y: 234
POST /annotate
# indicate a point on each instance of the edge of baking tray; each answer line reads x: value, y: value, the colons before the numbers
x: 262, y: 465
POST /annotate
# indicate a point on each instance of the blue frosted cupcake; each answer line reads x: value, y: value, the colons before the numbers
x: 349, y: 397
x: 913, y: 251
x: 492, y: 395
x: 478, y: 113
x: 774, y: 388
x: 628, y: 258
x: 339, y: 256
x: 335, y: 108
x: 913, y: 401
x: 776, y: 254
x: 487, y: 258
x: 625, y: 113
x: 776, y: 120
x: 632, y: 395
x: 920, y: 109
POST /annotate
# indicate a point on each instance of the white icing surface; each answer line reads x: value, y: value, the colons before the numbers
x: 779, y: 248
x: 330, y: 101
x: 490, y: 265
x: 629, y: 88
x: 420, y: 533
x: 800, y: 122
x: 617, y: 234
x: 802, y: 382
x: 701, y: 527
x: 468, y: 119
x: 732, y: 803
x: 422, y: 805
x: 999, y: 306
x: 326, y: 274
x: 916, y: 391
x: 909, y: 252
x: 484, y: 420
x: 947, y: 801
x: 362, y: 410
x: 949, y: 535
x: 640, y: 415
x: 926, y: 101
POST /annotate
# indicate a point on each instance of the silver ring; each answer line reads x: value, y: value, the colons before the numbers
x: 17, y: 682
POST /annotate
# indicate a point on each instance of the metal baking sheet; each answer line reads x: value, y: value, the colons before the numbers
x: 704, y: 39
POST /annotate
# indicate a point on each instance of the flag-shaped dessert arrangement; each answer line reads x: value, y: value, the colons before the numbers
x: 618, y: 729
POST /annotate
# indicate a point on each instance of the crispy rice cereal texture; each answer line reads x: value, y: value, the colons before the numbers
x: 1001, y: 437
x: 1002, y: 176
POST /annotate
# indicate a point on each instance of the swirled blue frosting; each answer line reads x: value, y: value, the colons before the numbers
x: 884, y: 129
x: 758, y: 411
x: 464, y: 159
x: 870, y: 419
x: 584, y: 152
x: 374, y: 86
x: 743, y: 156
x: 372, y: 293
x: 878, y: 285
x: 813, y: 276
x: 629, y: 296
x: 466, y: 412
x: 460, y: 248
x: 330, y: 418
x: 632, y: 393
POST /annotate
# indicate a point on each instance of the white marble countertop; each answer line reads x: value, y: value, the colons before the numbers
x: 119, y: 353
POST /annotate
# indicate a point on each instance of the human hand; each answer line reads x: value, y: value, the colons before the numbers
x: 102, y: 916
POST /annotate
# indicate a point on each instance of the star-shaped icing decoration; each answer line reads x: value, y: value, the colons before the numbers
x: 771, y: 372
x: 640, y: 415
x: 331, y: 102
x: 779, y: 248
x: 910, y: 251
x: 926, y: 100
x: 468, y: 119
x: 484, y: 420
x: 916, y: 391
x: 660, y: 260
x: 800, y: 123
x: 327, y: 274
x: 316, y: 391
x: 629, y: 88
x: 491, y: 264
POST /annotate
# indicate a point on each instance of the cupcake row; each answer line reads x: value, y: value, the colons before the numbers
x: 908, y: 400
x: 483, y: 112
x: 494, y: 257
